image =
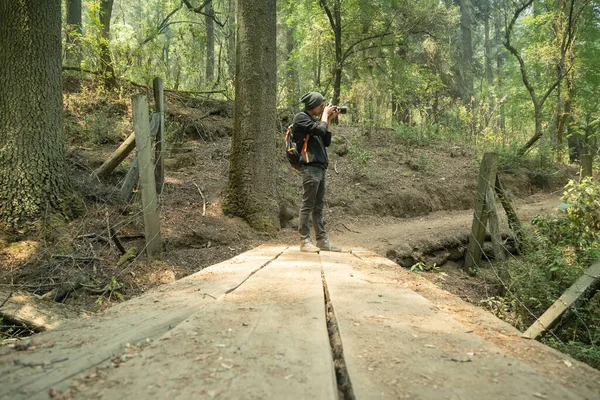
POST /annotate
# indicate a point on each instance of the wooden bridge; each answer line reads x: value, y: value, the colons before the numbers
x: 274, y: 323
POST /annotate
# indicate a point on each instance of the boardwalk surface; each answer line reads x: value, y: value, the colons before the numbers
x: 274, y: 323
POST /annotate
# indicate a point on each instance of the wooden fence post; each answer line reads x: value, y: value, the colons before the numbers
x: 159, y: 161
x: 586, y: 165
x: 487, y: 178
x: 141, y: 127
x: 494, y: 224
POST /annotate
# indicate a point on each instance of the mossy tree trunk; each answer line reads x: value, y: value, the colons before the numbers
x: 107, y: 67
x: 33, y: 178
x: 251, y: 192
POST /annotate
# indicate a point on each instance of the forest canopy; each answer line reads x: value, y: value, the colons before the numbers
x: 505, y: 71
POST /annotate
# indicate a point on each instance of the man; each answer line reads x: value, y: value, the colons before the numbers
x: 314, y: 167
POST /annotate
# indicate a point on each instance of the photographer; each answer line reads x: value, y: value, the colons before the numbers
x: 307, y: 126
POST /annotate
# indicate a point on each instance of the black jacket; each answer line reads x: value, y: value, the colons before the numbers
x: 320, y: 138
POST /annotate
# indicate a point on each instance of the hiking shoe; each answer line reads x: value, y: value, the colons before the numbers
x: 306, y: 246
x: 325, y: 245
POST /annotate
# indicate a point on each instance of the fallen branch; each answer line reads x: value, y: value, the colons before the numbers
x: 344, y: 225
x: 75, y: 259
x: 115, y: 239
x: 93, y: 236
x: 203, y: 199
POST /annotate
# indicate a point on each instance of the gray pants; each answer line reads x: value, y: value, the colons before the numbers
x: 313, y: 200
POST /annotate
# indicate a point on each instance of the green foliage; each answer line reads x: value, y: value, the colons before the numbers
x: 583, y: 215
x: 557, y: 252
x: 111, y: 289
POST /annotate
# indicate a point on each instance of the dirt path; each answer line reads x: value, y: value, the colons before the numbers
x: 382, y: 234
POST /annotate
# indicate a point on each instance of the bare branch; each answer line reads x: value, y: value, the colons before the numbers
x: 198, y: 10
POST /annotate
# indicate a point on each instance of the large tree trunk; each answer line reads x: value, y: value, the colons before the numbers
x: 33, y: 178
x: 210, y: 43
x: 251, y: 192
x: 107, y: 67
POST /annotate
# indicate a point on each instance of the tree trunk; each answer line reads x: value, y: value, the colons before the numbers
x: 106, y: 66
x: 231, y: 40
x: 291, y: 73
x: 33, y: 177
x: 489, y: 71
x: 251, y: 192
x: 74, y: 30
x: 467, y: 50
x: 337, y: 69
x: 210, y: 43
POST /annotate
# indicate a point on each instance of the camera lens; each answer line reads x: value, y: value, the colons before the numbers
x: 343, y: 109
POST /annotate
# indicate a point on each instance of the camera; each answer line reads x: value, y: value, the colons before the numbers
x: 341, y: 109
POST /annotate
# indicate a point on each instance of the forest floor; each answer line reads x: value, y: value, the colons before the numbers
x: 385, y: 192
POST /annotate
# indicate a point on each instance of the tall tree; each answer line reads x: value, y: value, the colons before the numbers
x: 251, y: 190
x: 466, y: 68
x: 107, y: 68
x: 564, y: 39
x: 210, y: 43
x: 231, y: 24
x: 33, y: 177
x: 74, y: 29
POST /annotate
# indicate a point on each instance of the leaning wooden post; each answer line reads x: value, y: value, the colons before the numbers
x: 514, y: 223
x: 141, y: 127
x: 585, y: 286
x: 487, y: 178
x: 586, y: 165
x: 159, y: 161
x: 116, y: 157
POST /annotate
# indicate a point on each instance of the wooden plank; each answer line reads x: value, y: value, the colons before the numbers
x: 141, y: 127
x: 399, y: 345
x: 487, y: 177
x: 265, y: 340
x: 159, y: 160
x: 90, y: 342
x: 545, y: 322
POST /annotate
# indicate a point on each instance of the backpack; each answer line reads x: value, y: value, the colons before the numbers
x: 291, y: 148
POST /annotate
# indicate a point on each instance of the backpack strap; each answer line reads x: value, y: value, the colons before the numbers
x: 304, y: 147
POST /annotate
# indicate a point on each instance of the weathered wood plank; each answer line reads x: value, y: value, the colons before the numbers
x: 399, y: 345
x: 545, y: 322
x: 90, y: 342
x: 265, y: 340
x: 141, y: 127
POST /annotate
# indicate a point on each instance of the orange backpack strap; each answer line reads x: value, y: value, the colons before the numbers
x: 304, y: 147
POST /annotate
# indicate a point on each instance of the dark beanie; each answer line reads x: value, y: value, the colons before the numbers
x: 312, y: 100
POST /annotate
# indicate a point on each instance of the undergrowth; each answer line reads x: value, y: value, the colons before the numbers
x: 558, y: 250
